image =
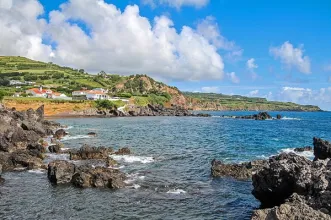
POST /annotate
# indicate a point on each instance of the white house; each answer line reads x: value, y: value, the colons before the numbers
x: 96, y: 95
x: 39, y: 92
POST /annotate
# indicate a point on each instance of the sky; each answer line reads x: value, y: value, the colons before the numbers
x: 279, y: 50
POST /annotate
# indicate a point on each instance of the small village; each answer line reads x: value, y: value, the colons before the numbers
x: 83, y: 94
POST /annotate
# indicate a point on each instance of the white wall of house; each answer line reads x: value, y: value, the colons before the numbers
x: 90, y: 96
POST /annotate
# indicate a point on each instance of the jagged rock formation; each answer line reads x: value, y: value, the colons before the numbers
x: 20, y: 137
x: 293, y: 187
x: 64, y: 172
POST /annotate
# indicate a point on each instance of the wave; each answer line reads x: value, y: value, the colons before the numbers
x: 176, y: 191
x: 133, y: 159
x: 289, y: 118
x: 69, y: 137
x: 37, y: 171
x: 308, y: 154
x: 131, y: 178
x: 58, y: 156
x: 68, y: 128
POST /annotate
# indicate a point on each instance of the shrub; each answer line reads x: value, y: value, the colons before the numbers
x: 105, y: 104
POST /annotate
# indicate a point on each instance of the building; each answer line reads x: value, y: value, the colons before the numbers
x: 39, y: 92
x: 46, y: 93
x: 94, y: 94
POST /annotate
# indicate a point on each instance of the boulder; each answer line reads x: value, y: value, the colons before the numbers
x: 36, y: 150
x: 302, y: 149
x: 86, y: 152
x: 60, y: 133
x: 283, y: 175
x: 60, y: 171
x: 55, y: 148
x: 100, y: 177
x: 241, y: 171
x: 25, y: 160
x: 111, y: 162
x: 92, y: 134
x: 123, y: 151
x: 322, y: 149
x: 279, y: 117
x: 295, y: 208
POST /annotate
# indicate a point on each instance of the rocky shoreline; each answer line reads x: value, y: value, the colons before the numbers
x: 137, y: 111
x: 287, y: 185
x: 23, y: 147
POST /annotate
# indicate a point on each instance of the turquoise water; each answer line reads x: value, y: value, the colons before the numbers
x: 169, y: 172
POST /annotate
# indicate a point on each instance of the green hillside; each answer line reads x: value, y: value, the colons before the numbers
x: 207, y: 101
x: 141, y: 89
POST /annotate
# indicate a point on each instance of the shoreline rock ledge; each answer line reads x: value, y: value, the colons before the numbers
x: 288, y: 186
x: 292, y: 187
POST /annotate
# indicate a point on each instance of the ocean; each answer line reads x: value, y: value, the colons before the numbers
x: 169, y: 170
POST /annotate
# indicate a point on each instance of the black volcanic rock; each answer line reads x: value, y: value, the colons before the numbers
x: 322, y: 149
x: 284, y: 175
x: 302, y: 149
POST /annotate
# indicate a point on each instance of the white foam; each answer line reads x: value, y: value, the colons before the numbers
x: 58, y: 156
x: 69, y: 137
x: 68, y: 128
x: 308, y: 154
x: 133, y: 159
x: 289, y: 118
x: 65, y: 148
x: 176, y: 191
x: 131, y: 178
x: 37, y: 171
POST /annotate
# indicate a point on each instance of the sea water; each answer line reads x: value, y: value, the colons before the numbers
x: 169, y: 170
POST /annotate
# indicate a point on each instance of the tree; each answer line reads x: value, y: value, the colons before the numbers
x: 81, y: 71
x: 4, y: 81
x: 2, y: 95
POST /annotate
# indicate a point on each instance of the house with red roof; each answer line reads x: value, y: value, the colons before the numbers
x: 39, y: 92
x: 45, y: 93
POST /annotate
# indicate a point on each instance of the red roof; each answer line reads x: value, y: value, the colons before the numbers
x: 37, y: 91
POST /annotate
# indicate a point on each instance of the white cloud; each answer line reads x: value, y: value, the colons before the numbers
x: 253, y: 93
x: 177, y: 3
x: 209, y: 29
x: 212, y: 89
x: 116, y: 41
x: 292, y: 57
x: 21, y: 30
x: 251, y: 66
x: 233, y: 77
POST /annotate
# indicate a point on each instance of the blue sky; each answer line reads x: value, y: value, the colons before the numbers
x: 209, y: 43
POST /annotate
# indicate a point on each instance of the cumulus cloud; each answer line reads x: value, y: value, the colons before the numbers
x: 292, y: 57
x: 211, y: 89
x: 251, y: 66
x: 233, y: 77
x: 21, y: 30
x: 253, y: 93
x: 112, y: 40
x: 177, y: 3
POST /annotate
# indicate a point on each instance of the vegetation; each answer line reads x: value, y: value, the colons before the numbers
x: 106, y: 104
x: 236, y: 102
x: 140, y: 89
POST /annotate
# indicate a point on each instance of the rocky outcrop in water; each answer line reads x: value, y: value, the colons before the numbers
x: 293, y: 187
x: 64, y: 172
x: 322, y: 149
x: 243, y: 171
x: 302, y: 149
x: 20, y: 135
x: 60, y: 133
x: 100, y: 177
x: 259, y: 116
x: 87, y: 152
x: 123, y: 151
